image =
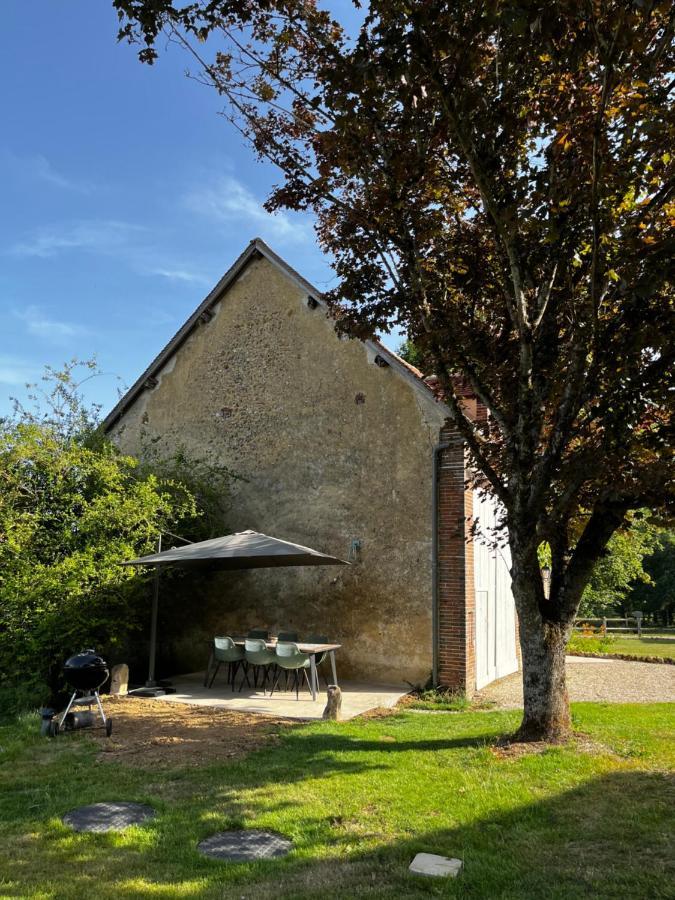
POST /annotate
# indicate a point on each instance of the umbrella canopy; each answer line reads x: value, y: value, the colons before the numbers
x: 243, y: 550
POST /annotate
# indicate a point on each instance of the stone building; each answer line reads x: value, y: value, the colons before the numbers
x: 340, y: 445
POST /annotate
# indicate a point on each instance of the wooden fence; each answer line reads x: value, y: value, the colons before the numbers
x: 626, y: 624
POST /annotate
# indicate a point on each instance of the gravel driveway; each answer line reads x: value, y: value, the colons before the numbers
x: 606, y: 681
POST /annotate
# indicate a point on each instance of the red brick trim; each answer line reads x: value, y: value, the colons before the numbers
x: 456, y: 598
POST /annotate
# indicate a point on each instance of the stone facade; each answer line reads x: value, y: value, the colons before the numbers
x: 332, y: 442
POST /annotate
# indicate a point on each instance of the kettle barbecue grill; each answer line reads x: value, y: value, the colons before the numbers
x: 85, y: 672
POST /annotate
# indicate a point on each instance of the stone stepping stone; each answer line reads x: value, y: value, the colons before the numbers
x: 438, y: 866
x: 101, y: 817
x: 245, y: 845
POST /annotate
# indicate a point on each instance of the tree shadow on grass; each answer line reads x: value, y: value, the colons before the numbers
x: 670, y: 641
x: 608, y: 837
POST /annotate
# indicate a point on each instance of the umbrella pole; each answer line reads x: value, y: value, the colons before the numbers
x: 151, y: 683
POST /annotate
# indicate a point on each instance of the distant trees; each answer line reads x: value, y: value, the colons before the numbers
x: 656, y: 597
x: 409, y: 352
x: 615, y: 574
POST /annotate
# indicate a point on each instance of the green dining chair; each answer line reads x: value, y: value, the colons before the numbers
x: 226, y: 651
x: 290, y: 659
x: 258, y: 658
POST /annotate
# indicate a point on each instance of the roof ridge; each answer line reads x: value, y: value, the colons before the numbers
x: 256, y: 248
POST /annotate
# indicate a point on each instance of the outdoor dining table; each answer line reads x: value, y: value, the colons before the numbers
x: 312, y: 650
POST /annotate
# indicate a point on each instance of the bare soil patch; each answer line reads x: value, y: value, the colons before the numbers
x: 153, y: 733
x: 507, y: 749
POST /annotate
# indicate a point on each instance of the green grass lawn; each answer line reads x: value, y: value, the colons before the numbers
x: 648, y: 645
x: 359, y: 799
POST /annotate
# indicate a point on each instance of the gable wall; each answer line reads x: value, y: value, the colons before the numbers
x: 331, y: 449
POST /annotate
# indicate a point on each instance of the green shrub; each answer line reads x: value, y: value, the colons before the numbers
x: 72, y: 509
x: 590, y: 643
x: 69, y: 515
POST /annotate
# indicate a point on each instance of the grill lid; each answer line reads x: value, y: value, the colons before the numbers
x: 85, y: 659
x: 86, y: 670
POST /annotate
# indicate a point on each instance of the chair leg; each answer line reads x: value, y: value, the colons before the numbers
x: 215, y: 672
x: 297, y: 684
x: 245, y: 678
x: 234, y: 668
x: 276, y: 681
x: 304, y: 672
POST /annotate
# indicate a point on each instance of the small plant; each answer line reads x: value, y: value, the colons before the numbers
x: 439, y: 698
x: 588, y: 641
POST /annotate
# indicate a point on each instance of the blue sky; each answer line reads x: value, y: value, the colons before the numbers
x: 124, y: 197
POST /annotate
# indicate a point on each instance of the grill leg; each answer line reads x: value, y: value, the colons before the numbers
x: 100, y: 708
x: 70, y: 703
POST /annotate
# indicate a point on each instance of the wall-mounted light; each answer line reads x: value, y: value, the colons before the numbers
x: 354, y: 554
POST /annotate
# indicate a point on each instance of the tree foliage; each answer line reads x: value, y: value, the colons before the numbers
x: 656, y: 596
x: 625, y: 563
x: 409, y: 352
x: 498, y: 179
x: 72, y: 508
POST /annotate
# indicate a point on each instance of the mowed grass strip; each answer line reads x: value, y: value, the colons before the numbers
x: 358, y: 800
x: 662, y: 645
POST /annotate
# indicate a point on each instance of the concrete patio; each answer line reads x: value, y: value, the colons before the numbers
x: 357, y: 698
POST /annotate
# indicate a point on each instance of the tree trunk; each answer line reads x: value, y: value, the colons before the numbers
x: 546, y: 715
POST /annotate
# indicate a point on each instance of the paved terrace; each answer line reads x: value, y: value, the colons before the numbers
x: 357, y: 698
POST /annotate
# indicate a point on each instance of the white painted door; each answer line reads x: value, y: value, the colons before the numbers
x: 495, y: 609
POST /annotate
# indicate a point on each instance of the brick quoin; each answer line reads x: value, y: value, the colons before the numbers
x: 456, y: 596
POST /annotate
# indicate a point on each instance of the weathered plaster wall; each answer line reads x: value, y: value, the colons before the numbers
x: 331, y: 449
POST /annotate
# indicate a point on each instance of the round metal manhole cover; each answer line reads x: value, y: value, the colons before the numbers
x: 101, y: 817
x: 243, y: 846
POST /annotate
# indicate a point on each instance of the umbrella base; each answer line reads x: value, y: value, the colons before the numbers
x: 152, y: 691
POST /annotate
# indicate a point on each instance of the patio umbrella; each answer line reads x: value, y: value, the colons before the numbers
x: 243, y: 550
